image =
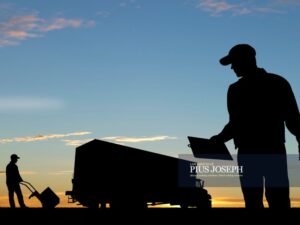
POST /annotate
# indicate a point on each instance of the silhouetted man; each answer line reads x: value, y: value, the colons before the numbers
x: 13, y: 179
x: 260, y: 104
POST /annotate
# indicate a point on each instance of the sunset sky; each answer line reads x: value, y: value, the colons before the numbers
x: 143, y: 73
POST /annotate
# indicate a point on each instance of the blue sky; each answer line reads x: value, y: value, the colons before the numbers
x: 143, y: 71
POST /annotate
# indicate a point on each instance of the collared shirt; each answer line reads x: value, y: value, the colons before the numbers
x: 259, y: 106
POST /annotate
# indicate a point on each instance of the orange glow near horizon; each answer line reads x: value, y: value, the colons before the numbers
x: 222, y: 197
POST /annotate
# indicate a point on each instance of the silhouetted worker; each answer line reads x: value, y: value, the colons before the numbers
x: 260, y: 104
x: 13, y: 179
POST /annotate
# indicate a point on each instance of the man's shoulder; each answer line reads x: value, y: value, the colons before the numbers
x: 276, y: 79
x: 8, y: 166
x: 263, y: 77
x: 235, y: 84
x: 274, y: 76
x: 11, y: 165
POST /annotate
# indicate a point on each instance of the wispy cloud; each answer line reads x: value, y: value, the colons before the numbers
x: 126, y: 3
x: 28, y: 172
x: 42, y: 137
x: 7, y: 42
x: 238, y: 8
x: 61, y: 23
x: 18, y: 34
x: 21, y: 172
x: 15, y: 28
x: 21, y: 104
x: 76, y: 143
x: 123, y: 139
x: 215, y: 7
x: 59, y: 173
x: 119, y: 140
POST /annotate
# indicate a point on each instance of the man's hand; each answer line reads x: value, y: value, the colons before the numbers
x: 298, y: 139
x: 216, y: 139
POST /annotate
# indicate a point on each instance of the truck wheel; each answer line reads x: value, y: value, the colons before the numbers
x: 184, y: 206
x: 93, y: 205
x: 128, y: 205
x: 204, y: 205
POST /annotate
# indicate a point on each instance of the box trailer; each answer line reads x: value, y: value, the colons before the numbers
x: 122, y: 176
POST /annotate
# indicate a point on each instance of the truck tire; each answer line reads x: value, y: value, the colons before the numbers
x: 93, y: 205
x: 184, y: 206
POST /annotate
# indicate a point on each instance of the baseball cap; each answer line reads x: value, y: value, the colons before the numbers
x: 237, y: 52
x: 14, y: 156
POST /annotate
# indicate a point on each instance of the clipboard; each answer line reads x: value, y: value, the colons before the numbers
x: 204, y: 148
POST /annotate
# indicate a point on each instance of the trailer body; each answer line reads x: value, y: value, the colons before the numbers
x: 123, y: 176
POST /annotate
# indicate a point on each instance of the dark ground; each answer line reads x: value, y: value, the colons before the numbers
x: 147, y: 216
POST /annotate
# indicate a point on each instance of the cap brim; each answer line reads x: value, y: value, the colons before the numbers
x: 226, y: 60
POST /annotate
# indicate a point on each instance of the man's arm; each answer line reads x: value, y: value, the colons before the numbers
x: 227, y: 132
x: 18, y: 176
x: 225, y: 135
x: 292, y: 120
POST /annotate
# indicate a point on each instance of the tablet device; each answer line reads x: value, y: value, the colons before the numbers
x: 204, y: 148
